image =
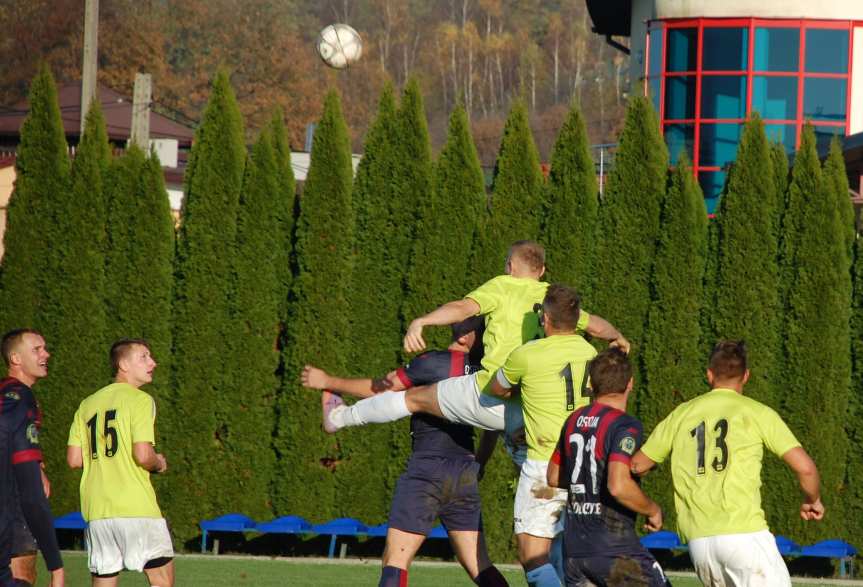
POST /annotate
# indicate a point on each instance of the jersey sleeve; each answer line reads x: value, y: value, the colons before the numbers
x: 659, y: 443
x: 143, y: 419
x: 583, y: 320
x: 75, y: 431
x: 513, y: 368
x: 487, y: 296
x: 25, y: 435
x: 775, y: 433
x: 625, y: 440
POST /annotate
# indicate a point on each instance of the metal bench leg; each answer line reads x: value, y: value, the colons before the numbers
x: 203, y: 541
x: 332, y: 546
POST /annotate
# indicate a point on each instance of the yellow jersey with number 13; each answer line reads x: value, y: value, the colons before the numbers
x: 106, y: 426
x: 718, y: 440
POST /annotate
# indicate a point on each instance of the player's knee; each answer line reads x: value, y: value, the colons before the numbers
x: 24, y: 569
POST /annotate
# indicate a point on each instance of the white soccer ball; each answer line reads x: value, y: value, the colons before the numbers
x: 339, y: 45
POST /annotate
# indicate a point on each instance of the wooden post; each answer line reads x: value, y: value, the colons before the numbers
x: 141, y: 111
x: 91, y: 52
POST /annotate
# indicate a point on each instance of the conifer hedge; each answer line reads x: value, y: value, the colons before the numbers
x: 816, y: 332
x: 204, y: 389
x: 306, y: 477
x: 573, y: 202
x: 853, y: 494
x: 286, y: 205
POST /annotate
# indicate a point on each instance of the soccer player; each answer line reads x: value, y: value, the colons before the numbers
x: 507, y: 303
x: 552, y: 374
x: 591, y: 461
x: 717, y: 441
x: 26, y: 358
x: 112, y: 438
x: 441, y: 476
x: 22, y: 492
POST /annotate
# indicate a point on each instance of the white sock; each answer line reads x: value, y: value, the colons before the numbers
x: 381, y: 408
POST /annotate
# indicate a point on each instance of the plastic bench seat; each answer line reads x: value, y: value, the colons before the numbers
x: 285, y: 525
x: 226, y: 523
x: 378, y: 531
x: 787, y: 547
x: 838, y: 549
x: 340, y: 527
x: 662, y: 540
x: 438, y: 532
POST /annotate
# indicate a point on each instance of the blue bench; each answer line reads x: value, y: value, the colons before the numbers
x: 226, y: 523
x: 70, y: 521
x: 838, y: 549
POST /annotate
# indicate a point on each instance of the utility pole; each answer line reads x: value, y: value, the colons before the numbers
x: 141, y: 111
x: 91, y: 52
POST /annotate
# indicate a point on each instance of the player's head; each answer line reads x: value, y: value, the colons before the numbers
x: 610, y: 372
x: 468, y: 335
x: 560, y: 308
x: 25, y: 354
x: 525, y: 259
x: 728, y: 365
x: 132, y: 362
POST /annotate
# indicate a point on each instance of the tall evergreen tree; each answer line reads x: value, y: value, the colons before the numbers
x: 256, y: 304
x: 319, y: 330
x: 570, y: 225
x: 628, y: 225
x: 517, y: 200
x: 203, y: 323
x: 75, y: 287
x: 440, y: 269
x: 815, y: 404
x: 286, y: 204
x: 747, y: 272
x: 837, y: 185
x: 780, y: 178
x: 673, y: 353
x: 854, y: 477
x: 41, y: 177
x: 139, y: 273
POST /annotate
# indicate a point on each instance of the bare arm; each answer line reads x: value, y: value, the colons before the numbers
x: 552, y: 474
x: 626, y: 491
x: 601, y: 328
x: 315, y: 378
x: 487, y: 442
x: 498, y: 389
x: 449, y: 313
x: 810, y: 482
x: 147, y: 457
x: 641, y: 464
x: 74, y: 457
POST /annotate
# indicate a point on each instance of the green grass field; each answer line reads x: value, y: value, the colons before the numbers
x: 232, y: 571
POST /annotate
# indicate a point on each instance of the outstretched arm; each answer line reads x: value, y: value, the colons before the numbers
x: 626, y: 491
x: 807, y: 476
x: 315, y: 378
x: 601, y: 328
x: 449, y: 313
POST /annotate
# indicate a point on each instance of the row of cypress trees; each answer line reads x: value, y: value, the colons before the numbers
x: 258, y: 283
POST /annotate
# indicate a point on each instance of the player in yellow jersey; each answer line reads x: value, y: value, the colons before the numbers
x: 507, y: 303
x: 718, y: 441
x: 112, y: 438
x: 552, y: 373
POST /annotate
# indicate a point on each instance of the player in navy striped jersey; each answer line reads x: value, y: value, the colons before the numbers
x: 440, y: 480
x: 592, y: 461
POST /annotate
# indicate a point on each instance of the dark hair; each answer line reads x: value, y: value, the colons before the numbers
x: 728, y: 360
x: 474, y: 324
x: 563, y: 305
x: 610, y: 372
x: 11, y: 340
x: 120, y: 348
x: 530, y: 252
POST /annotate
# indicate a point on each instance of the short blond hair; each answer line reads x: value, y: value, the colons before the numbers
x: 531, y: 253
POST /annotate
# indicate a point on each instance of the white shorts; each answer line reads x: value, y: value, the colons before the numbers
x: 462, y: 402
x: 732, y: 560
x: 117, y: 543
x: 538, y: 507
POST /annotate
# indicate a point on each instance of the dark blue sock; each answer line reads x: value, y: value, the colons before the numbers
x: 393, y: 577
x: 544, y: 576
x: 490, y: 577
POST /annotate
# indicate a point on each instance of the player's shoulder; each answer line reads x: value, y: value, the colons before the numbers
x: 12, y: 402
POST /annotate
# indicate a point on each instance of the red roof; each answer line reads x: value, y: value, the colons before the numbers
x: 118, y: 116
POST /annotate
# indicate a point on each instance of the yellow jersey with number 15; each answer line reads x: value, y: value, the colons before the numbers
x: 718, y: 440
x: 106, y: 426
x: 553, y: 375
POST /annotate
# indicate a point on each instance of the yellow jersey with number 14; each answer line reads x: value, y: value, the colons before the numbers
x: 718, y: 440
x: 106, y: 426
x: 553, y: 375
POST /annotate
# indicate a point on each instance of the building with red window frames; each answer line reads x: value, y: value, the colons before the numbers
x: 709, y: 64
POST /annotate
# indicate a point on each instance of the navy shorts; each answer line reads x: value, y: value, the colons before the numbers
x: 637, y: 568
x: 436, y: 487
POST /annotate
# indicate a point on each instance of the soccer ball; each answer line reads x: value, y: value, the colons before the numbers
x: 339, y: 46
